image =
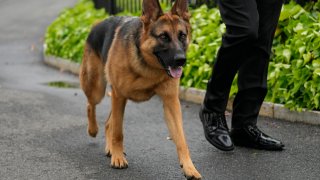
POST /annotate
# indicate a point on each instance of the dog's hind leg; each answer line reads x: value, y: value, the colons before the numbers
x: 114, y: 132
x: 93, y: 84
x: 108, y: 135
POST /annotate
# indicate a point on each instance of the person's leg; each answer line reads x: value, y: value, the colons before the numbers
x: 252, y: 81
x: 241, y: 19
x: 252, y: 88
x: 252, y: 76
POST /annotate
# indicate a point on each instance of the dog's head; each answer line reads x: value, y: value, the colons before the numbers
x: 165, y: 36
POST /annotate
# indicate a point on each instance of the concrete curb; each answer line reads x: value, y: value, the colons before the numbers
x: 62, y: 64
x: 271, y: 110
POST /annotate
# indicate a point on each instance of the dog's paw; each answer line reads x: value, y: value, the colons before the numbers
x: 108, y: 152
x: 192, y: 177
x: 191, y: 173
x: 92, y: 131
x: 118, y: 161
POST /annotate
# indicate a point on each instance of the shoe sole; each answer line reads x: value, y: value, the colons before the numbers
x: 259, y: 147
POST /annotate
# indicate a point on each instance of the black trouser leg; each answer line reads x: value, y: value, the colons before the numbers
x: 241, y: 19
x: 252, y: 76
x: 246, y: 106
x: 245, y: 48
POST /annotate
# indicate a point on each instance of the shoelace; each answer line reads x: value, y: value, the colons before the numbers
x: 266, y: 140
x: 220, y: 120
x: 254, y: 130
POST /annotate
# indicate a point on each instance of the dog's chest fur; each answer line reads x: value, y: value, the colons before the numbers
x: 137, y: 88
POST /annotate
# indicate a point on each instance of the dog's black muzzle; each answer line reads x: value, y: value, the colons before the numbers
x: 172, y: 61
x: 179, y: 59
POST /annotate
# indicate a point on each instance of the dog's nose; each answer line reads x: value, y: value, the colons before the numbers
x: 180, y: 59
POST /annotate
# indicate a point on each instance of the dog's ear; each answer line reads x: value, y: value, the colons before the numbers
x: 180, y: 8
x: 151, y: 10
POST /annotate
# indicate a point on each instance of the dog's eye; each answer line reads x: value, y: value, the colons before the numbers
x: 182, y: 36
x: 164, y: 37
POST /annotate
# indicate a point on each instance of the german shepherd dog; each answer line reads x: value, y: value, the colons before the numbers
x: 139, y: 57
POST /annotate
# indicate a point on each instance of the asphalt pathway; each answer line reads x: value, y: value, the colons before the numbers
x: 43, y: 129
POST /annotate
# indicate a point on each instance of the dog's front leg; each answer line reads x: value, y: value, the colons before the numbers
x: 173, y: 117
x: 115, y: 135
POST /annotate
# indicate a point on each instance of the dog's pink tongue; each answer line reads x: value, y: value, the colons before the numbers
x: 176, y: 72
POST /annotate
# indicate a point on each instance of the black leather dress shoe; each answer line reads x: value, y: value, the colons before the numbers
x: 216, y: 129
x: 250, y: 136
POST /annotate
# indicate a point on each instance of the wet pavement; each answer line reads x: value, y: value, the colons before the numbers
x: 43, y: 128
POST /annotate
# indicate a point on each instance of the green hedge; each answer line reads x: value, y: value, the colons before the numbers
x: 294, y: 71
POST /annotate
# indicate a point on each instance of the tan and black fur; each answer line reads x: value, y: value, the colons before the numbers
x: 139, y: 57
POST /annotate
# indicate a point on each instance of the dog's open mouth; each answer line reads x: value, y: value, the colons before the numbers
x: 174, y: 72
